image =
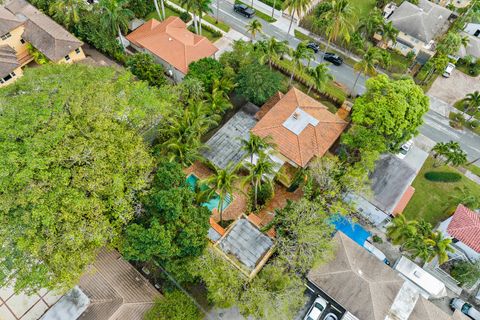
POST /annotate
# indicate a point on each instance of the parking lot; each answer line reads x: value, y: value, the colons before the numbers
x: 313, y: 292
x: 454, y: 88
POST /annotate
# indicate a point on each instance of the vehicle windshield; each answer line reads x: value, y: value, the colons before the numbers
x: 465, y: 308
x: 403, y: 151
x: 319, y: 306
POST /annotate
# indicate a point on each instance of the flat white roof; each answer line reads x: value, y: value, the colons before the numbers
x: 424, y: 280
x: 299, y: 120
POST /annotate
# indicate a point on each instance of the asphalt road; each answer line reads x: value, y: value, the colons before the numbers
x: 343, y: 74
x: 437, y: 128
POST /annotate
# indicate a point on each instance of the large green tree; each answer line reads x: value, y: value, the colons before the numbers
x: 72, y: 159
x: 172, y: 225
x: 258, y: 83
x: 391, y: 108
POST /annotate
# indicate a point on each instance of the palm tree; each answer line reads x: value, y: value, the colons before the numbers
x: 472, y: 100
x: 161, y: 16
x: 367, y: 65
x: 223, y: 182
x: 401, y: 229
x: 273, y: 49
x: 262, y: 170
x: 67, y: 11
x: 389, y: 32
x: 295, y: 7
x: 339, y: 21
x: 298, y: 55
x: 203, y: 6
x: 115, y: 17
x: 253, y: 28
x: 321, y: 76
x: 449, y: 153
x: 218, y: 101
x: 256, y: 145
x: 371, y: 23
x: 191, y: 5
x: 440, y: 246
x: 420, y: 247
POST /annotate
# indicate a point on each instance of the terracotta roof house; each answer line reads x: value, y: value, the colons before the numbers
x: 300, y: 126
x: 464, y: 227
x: 419, y: 25
x: 367, y: 289
x: 22, y: 24
x: 174, y: 46
x: 111, y: 289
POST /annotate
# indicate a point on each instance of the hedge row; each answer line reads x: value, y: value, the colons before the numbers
x: 443, y: 176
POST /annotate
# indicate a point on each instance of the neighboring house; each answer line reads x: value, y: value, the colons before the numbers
x: 301, y: 127
x: 365, y: 288
x: 473, y: 29
x: 390, y: 185
x: 472, y: 48
x: 419, y: 26
x: 174, y: 46
x: 111, y: 289
x: 464, y: 228
x: 22, y: 24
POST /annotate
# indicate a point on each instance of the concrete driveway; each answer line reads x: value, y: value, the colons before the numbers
x: 454, y: 88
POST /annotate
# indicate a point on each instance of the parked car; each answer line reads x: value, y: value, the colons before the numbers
x: 404, y: 149
x: 448, y: 70
x: 331, y: 316
x: 333, y: 58
x: 316, y: 309
x: 244, y: 10
x: 465, y: 308
x: 314, y: 46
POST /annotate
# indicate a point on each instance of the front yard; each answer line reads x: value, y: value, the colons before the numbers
x: 432, y: 200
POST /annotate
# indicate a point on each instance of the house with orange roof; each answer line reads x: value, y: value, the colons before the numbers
x: 171, y: 44
x: 301, y: 127
x: 464, y: 228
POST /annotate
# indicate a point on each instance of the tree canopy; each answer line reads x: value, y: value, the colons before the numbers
x: 206, y: 70
x: 172, y: 226
x: 73, y: 159
x: 258, y: 83
x: 391, y: 108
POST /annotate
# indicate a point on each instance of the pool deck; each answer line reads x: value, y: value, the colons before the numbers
x: 236, y: 208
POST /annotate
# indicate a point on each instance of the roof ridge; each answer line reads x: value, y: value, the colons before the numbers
x: 299, y: 149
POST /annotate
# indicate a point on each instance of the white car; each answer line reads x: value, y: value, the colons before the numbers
x: 404, y: 149
x: 448, y: 70
x: 316, y: 309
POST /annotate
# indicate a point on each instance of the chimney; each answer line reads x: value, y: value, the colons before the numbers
x: 344, y: 110
x: 295, y: 115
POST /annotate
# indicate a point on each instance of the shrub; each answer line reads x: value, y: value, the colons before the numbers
x: 145, y: 68
x: 185, y: 16
x: 174, y: 305
x: 377, y: 239
x: 214, y: 32
x: 443, y: 176
x: 206, y: 70
x: 466, y: 273
x: 257, y: 83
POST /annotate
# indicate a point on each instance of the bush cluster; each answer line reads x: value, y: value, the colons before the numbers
x: 442, y: 176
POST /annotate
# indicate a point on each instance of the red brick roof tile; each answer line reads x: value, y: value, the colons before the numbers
x: 465, y: 226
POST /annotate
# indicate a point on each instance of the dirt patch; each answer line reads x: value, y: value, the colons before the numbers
x: 454, y: 88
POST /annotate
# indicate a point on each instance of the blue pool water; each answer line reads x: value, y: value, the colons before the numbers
x: 353, y: 230
x: 214, y: 201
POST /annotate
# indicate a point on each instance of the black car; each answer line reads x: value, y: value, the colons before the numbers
x: 315, y: 47
x: 333, y: 58
x: 244, y: 10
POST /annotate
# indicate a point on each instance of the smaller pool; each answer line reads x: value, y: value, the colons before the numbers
x: 192, y: 181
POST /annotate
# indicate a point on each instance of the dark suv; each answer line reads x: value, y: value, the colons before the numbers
x: 244, y: 10
x: 333, y: 58
x: 315, y: 47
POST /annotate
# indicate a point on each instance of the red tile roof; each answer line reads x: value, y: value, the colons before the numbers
x: 172, y: 42
x: 465, y: 226
x: 402, y: 204
x: 313, y: 140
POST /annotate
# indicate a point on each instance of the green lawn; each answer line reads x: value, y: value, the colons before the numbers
x: 362, y: 8
x: 220, y: 24
x: 207, y: 33
x: 432, y: 200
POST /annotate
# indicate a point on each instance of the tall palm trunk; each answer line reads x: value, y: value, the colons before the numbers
x: 161, y: 16
x: 256, y: 191
x: 121, y: 38
x: 200, y: 22
x: 291, y: 21
x: 162, y: 3
x: 472, y: 162
x: 310, y: 88
x: 195, y: 22
x: 273, y: 7
x: 291, y: 78
x: 252, y: 4
x: 220, y: 207
x: 218, y: 9
x: 327, y: 47
x: 355, y: 83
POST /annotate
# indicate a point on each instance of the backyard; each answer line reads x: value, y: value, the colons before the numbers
x: 433, y: 201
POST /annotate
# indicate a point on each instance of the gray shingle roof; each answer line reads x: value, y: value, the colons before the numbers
x: 8, y: 21
x: 43, y: 33
x: 8, y: 60
x: 116, y: 289
x: 424, y: 22
x: 225, y: 145
x: 246, y: 243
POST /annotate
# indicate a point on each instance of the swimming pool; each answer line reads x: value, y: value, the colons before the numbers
x: 192, y: 181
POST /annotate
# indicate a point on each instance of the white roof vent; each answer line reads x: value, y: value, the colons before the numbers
x: 299, y: 120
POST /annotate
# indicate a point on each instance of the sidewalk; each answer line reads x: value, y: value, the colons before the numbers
x: 204, y: 22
